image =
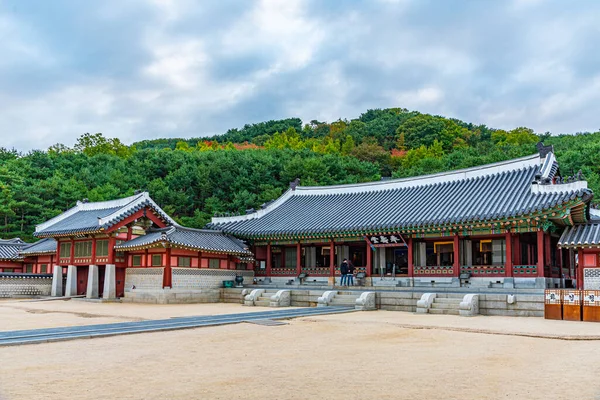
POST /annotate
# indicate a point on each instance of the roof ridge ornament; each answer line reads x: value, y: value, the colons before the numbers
x: 295, y: 183
x: 544, y: 150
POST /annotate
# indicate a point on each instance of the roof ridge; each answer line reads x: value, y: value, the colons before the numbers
x: 518, y: 162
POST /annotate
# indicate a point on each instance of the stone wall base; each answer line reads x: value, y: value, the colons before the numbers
x: 21, y: 287
x: 172, y: 296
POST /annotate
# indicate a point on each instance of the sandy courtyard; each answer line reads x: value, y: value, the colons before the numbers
x: 383, y: 355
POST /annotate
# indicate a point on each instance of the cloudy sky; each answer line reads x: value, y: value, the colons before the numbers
x: 142, y: 69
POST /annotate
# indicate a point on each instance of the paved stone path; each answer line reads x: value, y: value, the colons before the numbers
x: 91, y: 331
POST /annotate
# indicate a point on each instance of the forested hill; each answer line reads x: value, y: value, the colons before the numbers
x: 194, y: 178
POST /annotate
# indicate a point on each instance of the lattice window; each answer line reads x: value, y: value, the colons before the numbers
x: 102, y: 248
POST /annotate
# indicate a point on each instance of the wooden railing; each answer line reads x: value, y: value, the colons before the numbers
x: 444, y: 270
x: 483, y: 270
x: 524, y: 270
x: 316, y: 271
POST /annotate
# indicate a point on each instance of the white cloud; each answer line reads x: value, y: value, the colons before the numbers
x: 280, y: 29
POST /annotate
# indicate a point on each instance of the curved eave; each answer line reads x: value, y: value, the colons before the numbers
x: 38, y: 253
x: 577, y: 200
x: 173, y: 244
x: 69, y: 233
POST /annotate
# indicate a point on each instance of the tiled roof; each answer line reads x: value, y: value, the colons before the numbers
x: 87, y: 218
x: 584, y: 235
x: 43, y: 246
x: 9, y: 249
x: 197, y: 239
x: 502, y: 190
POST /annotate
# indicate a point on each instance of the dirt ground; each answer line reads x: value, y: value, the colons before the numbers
x: 362, y: 355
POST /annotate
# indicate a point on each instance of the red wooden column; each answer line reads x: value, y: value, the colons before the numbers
x: 540, y: 253
x: 268, y: 271
x: 167, y: 279
x: 579, y: 272
x: 72, y: 255
x: 112, y: 241
x: 411, y: 263
x: 146, y: 263
x: 298, y: 258
x: 93, y: 251
x: 548, y: 253
x: 369, y: 257
x: 456, y: 266
x: 508, y: 265
x: 129, y: 232
x: 517, y: 250
x: 332, y: 258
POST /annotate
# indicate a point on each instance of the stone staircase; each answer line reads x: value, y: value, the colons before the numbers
x: 446, y: 304
x: 449, y: 303
x: 264, y: 300
x: 345, y: 299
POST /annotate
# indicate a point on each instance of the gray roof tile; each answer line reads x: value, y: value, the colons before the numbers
x: 200, y: 239
x: 95, y: 217
x: 584, y: 235
x: 491, y: 192
x: 43, y: 246
x: 9, y: 249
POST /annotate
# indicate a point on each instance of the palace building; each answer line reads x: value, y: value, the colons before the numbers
x: 106, y: 249
x: 514, y: 224
x: 495, y: 225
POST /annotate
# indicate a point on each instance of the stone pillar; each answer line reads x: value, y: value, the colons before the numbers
x: 110, y: 282
x: 92, y: 283
x: 57, y: 281
x: 71, y: 289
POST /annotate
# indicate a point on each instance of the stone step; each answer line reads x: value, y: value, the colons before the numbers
x: 450, y: 295
x: 264, y: 298
x: 444, y: 306
x: 262, y: 303
x: 346, y: 296
x: 447, y: 301
x: 345, y: 302
x: 443, y: 311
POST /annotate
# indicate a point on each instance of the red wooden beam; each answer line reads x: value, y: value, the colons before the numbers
x: 456, y: 265
x: 332, y: 259
x: 167, y: 275
x: 298, y: 259
x: 508, y: 265
x: 579, y: 272
x: 72, y: 255
x: 540, y: 253
x: 93, y: 251
x: 369, y: 257
x: 268, y: 271
x: 411, y: 263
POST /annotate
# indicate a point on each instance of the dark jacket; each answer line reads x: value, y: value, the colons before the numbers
x: 350, y: 268
x: 344, y: 268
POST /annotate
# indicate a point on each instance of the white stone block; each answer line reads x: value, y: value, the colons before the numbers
x: 110, y: 282
x: 92, y: 283
x: 71, y: 289
x: 57, y: 281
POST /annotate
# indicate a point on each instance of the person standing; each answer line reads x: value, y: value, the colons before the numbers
x: 350, y: 276
x: 344, y: 272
